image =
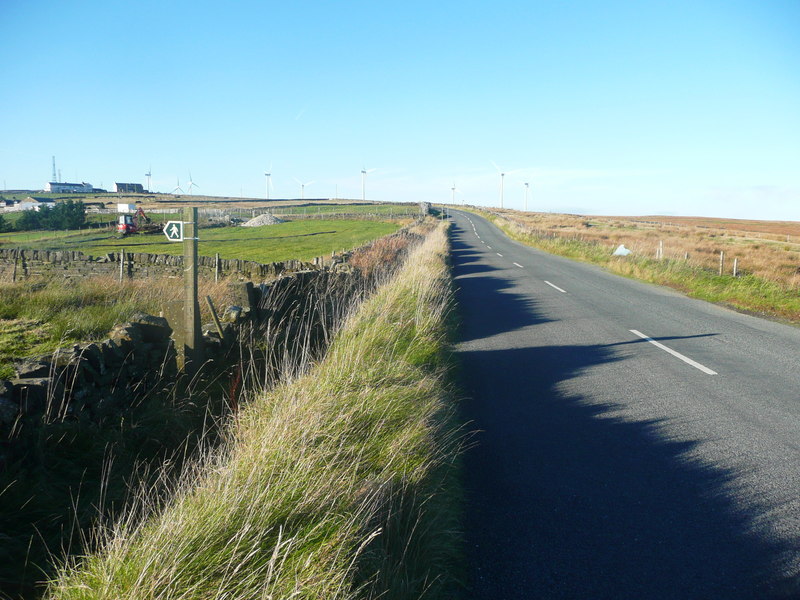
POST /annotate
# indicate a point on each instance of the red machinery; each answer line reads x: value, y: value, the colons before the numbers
x: 132, y: 223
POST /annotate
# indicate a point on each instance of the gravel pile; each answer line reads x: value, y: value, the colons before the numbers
x: 260, y: 220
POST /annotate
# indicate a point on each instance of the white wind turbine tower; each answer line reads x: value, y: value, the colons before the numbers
x: 178, y: 187
x: 268, y: 176
x: 148, y: 175
x: 502, y: 177
x: 364, y: 172
x: 191, y: 183
x: 453, y: 191
x: 303, y: 188
x: 527, y: 185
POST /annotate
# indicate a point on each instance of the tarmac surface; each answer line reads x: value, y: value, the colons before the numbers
x: 633, y: 443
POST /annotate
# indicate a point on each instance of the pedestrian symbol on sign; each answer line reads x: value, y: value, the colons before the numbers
x: 174, y: 231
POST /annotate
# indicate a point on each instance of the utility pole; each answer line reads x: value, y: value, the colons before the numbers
x: 193, y: 343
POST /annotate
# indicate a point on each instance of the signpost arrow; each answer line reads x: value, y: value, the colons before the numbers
x: 174, y: 231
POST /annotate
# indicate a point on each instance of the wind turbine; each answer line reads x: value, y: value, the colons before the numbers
x: 191, y: 183
x: 178, y: 187
x: 303, y: 188
x: 268, y: 176
x: 453, y: 191
x: 364, y: 172
x: 502, y: 177
x: 527, y: 185
x: 148, y: 175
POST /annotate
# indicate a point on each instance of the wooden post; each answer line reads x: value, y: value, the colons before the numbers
x: 721, y: 262
x: 216, y: 267
x: 121, y: 263
x: 735, y: 267
x: 193, y: 342
x: 215, y: 317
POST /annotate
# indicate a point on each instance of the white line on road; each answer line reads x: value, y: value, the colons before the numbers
x: 498, y: 254
x: 519, y: 265
x: 685, y: 359
x: 556, y: 287
x: 489, y: 247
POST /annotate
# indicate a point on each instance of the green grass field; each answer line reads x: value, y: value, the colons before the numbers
x: 302, y: 240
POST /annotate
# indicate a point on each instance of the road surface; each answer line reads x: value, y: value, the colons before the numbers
x: 633, y: 443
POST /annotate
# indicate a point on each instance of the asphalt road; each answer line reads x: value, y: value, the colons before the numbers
x: 607, y: 466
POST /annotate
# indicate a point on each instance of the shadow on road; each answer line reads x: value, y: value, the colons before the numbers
x: 482, y: 290
x: 566, y: 501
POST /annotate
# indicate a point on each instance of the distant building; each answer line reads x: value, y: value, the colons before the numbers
x: 126, y: 208
x: 30, y: 204
x: 69, y: 188
x: 128, y: 188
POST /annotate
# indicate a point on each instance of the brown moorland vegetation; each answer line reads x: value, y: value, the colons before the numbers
x: 767, y: 249
x: 684, y: 254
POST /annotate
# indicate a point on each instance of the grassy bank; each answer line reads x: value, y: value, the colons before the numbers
x: 336, y: 485
x: 767, y: 294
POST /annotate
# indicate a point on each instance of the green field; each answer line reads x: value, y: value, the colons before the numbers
x: 302, y: 240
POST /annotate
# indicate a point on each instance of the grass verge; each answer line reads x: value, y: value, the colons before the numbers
x: 747, y: 293
x: 339, y: 484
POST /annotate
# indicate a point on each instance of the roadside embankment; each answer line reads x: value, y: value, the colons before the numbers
x: 338, y: 484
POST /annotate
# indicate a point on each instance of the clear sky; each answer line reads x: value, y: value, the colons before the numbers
x: 604, y: 107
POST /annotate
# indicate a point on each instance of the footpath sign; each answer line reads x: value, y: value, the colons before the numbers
x: 174, y: 231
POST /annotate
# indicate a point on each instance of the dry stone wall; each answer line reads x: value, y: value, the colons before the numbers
x: 17, y: 263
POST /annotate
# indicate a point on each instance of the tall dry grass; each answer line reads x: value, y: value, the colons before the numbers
x: 338, y: 484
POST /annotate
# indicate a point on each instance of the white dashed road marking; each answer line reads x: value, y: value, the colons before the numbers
x: 552, y: 285
x: 685, y: 359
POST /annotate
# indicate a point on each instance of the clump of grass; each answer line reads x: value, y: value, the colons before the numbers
x: 338, y: 484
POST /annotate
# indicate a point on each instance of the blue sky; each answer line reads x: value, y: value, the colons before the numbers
x: 602, y: 107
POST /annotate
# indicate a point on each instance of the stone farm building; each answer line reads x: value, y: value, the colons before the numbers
x: 128, y: 188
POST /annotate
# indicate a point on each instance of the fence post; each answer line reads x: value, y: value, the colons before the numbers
x: 216, y: 267
x: 721, y: 262
x: 736, y: 267
x: 121, y: 263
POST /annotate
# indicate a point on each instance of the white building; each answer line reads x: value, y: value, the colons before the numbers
x: 69, y: 188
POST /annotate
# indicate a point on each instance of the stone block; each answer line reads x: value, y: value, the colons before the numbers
x: 127, y: 336
x: 232, y: 314
x: 8, y: 411
x: 155, y: 330
x: 93, y: 355
x: 31, y: 393
x: 32, y: 367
